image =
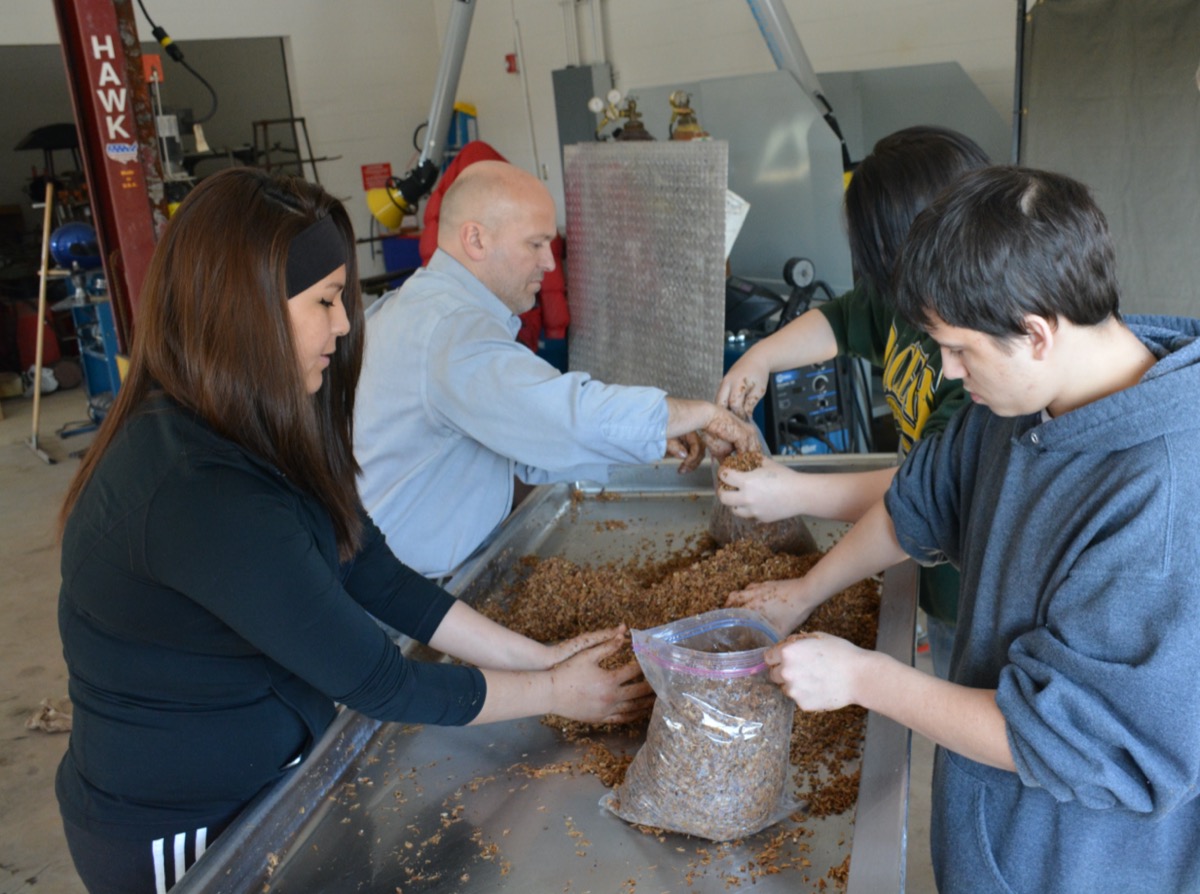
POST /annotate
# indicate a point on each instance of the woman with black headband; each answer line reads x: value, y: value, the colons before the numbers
x: 220, y: 578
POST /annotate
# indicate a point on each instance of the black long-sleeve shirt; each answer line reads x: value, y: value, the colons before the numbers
x: 209, y: 629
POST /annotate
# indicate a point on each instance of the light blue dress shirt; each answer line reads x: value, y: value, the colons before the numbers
x: 450, y: 407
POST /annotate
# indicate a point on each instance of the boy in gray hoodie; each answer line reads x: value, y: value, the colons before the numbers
x: 1069, y: 730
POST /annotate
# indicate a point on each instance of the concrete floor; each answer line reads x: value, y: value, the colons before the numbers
x: 33, y: 854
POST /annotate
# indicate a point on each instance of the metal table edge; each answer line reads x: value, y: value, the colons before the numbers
x: 879, y: 851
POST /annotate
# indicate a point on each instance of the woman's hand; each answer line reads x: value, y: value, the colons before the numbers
x: 782, y: 602
x: 817, y: 671
x: 769, y: 493
x: 467, y: 635
x: 584, y: 691
x: 744, y: 385
x: 557, y: 653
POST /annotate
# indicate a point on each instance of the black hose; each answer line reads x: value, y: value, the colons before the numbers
x: 172, y: 48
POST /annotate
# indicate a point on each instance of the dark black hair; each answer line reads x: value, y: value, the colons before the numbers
x: 1004, y: 242
x: 904, y: 173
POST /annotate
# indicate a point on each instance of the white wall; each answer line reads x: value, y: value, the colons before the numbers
x: 657, y: 42
x: 363, y: 71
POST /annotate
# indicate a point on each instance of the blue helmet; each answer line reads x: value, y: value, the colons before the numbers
x: 74, y: 245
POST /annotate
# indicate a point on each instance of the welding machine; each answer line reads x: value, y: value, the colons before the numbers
x: 801, y: 412
x: 805, y: 410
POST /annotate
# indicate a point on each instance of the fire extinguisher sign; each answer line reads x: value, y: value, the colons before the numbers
x: 376, y: 176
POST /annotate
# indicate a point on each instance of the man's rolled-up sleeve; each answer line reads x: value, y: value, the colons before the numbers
x: 497, y: 392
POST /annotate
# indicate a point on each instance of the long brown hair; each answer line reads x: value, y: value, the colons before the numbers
x: 213, y: 334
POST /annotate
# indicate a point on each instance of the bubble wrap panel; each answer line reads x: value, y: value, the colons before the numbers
x: 646, y: 263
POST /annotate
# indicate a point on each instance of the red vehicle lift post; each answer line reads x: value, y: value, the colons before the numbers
x: 115, y: 120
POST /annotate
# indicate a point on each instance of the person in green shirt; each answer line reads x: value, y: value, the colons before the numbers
x: 900, y: 177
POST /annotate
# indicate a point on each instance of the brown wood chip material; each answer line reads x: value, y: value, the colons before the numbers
x: 556, y: 599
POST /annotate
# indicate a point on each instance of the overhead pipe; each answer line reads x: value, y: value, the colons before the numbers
x: 788, y: 53
x: 599, y: 49
x: 446, y: 86
x: 784, y: 44
x: 537, y: 162
x: 1019, y: 84
x: 400, y: 196
x: 570, y: 31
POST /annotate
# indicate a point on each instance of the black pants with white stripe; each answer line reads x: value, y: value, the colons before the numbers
x: 114, y: 866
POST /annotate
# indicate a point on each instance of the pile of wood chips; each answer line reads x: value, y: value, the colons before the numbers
x: 742, y: 462
x: 556, y: 599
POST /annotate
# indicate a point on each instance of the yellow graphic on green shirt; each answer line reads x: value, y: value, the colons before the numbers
x: 909, y: 381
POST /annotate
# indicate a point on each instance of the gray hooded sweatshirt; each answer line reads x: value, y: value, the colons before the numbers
x: 1078, y: 539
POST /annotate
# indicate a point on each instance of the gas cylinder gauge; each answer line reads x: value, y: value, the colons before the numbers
x: 606, y: 108
x: 799, y: 272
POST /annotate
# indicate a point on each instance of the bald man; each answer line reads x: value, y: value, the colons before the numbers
x: 451, y: 410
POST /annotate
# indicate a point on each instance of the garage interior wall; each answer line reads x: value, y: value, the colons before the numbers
x: 225, y: 64
x: 362, y: 74
x: 1113, y: 100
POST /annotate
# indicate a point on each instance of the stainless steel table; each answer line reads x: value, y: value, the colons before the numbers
x: 502, y: 807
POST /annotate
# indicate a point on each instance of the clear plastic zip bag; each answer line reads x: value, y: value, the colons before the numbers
x: 715, y: 761
x: 788, y: 535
